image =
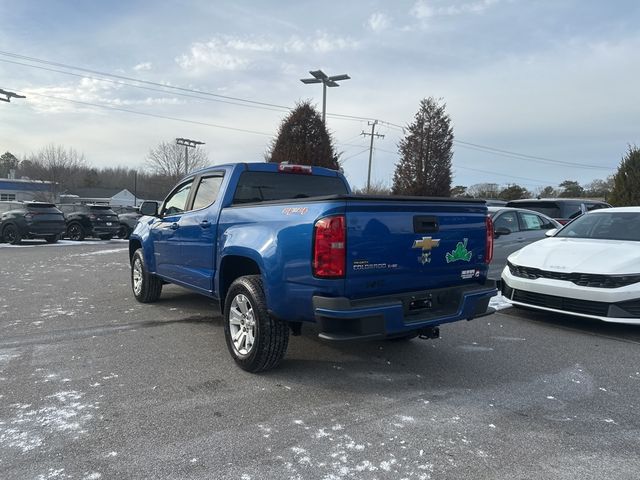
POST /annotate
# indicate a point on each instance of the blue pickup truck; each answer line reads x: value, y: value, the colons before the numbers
x: 281, y: 245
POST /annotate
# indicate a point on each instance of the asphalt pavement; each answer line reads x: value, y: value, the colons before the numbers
x: 94, y: 385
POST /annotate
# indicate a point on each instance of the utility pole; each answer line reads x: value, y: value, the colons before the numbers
x: 321, y: 77
x: 372, y: 134
x: 187, y: 145
x: 9, y: 95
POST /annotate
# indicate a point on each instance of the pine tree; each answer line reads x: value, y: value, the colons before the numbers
x: 626, y: 187
x: 303, y: 139
x: 425, y: 153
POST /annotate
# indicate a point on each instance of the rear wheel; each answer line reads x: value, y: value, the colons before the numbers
x: 124, y: 231
x: 256, y: 340
x: 146, y: 286
x: 52, y: 238
x: 75, y: 232
x: 12, y: 235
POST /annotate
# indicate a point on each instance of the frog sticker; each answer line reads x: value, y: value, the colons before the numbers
x: 460, y: 253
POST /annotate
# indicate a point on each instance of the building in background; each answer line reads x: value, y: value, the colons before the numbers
x: 107, y: 196
x: 19, y: 190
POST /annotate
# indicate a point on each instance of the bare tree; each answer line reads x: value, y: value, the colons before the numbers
x: 169, y: 159
x: 63, y: 167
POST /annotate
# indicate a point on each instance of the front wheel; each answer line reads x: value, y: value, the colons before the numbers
x: 256, y: 341
x: 146, y: 286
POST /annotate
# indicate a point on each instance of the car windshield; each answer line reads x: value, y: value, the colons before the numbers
x: 606, y: 226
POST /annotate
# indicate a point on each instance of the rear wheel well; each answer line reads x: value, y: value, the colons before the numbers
x: 231, y: 268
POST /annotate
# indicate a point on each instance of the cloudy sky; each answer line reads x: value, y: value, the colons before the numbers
x: 553, y: 82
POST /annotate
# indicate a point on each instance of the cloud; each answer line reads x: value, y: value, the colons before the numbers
x: 52, y: 99
x: 378, y: 22
x: 142, y: 67
x: 424, y: 9
x: 243, y: 53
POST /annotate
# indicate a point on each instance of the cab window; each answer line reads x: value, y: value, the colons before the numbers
x: 207, y: 192
x: 177, y: 200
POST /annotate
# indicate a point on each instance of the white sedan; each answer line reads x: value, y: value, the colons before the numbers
x: 589, y: 268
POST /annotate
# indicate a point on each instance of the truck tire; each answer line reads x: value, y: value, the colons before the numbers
x: 75, y: 232
x: 12, y: 235
x: 146, y: 286
x: 256, y: 340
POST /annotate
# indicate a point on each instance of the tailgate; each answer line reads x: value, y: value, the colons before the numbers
x: 396, y: 245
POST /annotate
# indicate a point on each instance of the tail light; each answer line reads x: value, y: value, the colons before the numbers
x: 488, y: 254
x: 562, y: 221
x: 329, y: 257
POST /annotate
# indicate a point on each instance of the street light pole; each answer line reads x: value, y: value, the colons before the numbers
x: 187, y: 145
x: 320, y: 77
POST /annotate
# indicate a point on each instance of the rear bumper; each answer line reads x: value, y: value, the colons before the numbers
x: 342, y: 319
x: 45, y: 230
x: 97, y: 230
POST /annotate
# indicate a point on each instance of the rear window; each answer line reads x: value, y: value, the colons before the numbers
x: 266, y: 186
x: 550, y: 209
x: 40, y: 205
x: 104, y: 209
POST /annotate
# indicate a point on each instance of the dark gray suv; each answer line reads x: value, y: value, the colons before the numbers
x: 562, y: 210
x: 20, y: 220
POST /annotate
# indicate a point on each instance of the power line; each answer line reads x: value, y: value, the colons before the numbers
x: 269, y: 106
x: 146, y: 114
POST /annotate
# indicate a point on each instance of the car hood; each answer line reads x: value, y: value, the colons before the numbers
x: 580, y: 255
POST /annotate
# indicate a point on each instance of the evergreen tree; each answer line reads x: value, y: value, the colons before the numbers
x: 626, y: 187
x: 425, y: 153
x: 8, y: 162
x: 303, y: 139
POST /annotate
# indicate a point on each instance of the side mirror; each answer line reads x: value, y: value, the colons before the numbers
x: 149, y: 208
x: 551, y: 233
x: 501, y: 231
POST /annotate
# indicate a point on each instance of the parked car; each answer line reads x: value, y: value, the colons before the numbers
x: 30, y: 220
x: 562, y: 210
x: 90, y: 221
x: 128, y: 222
x: 589, y: 268
x: 282, y: 245
x: 513, y: 229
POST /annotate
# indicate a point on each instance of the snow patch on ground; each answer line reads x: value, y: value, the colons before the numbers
x: 499, y: 302
x: 29, y: 428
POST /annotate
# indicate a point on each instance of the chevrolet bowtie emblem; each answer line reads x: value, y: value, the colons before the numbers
x: 426, y: 244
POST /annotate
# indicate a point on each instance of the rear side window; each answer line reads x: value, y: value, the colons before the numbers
x: 530, y: 221
x: 265, y: 186
x: 207, y: 192
x: 571, y: 210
